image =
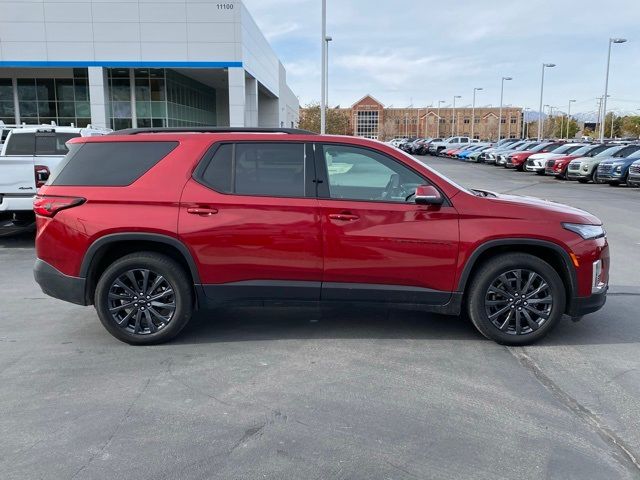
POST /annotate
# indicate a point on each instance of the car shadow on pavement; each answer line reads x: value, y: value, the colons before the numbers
x: 24, y: 239
x: 242, y: 324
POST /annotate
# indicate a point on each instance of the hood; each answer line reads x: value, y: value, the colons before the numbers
x: 527, y: 207
x: 544, y: 156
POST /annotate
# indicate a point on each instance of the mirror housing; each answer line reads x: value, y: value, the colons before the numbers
x: 428, y: 195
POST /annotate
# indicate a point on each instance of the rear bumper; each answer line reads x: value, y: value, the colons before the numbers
x: 16, y: 203
x: 580, y: 306
x: 58, y: 285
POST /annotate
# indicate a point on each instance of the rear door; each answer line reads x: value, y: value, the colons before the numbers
x: 251, y: 218
x: 378, y: 244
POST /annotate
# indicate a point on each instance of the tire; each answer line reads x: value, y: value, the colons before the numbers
x: 482, y: 290
x: 169, y: 314
x: 594, y: 177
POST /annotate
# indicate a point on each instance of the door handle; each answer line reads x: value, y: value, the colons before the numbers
x: 344, y: 216
x: 202, y: 211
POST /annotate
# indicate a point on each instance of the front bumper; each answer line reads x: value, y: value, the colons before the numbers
x: 580, y: 306
x: 58, y: 285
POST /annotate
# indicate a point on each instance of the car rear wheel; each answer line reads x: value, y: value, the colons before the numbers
x: 516, y: 299
x: 144, y: 298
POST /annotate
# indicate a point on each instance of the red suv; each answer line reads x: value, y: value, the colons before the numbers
x: 150, y: 224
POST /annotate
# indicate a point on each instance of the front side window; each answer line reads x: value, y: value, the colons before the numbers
x: 271, y: 169
x: 360, y: 174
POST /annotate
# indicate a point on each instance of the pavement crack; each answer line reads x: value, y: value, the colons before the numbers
x: 114, y: 432
x: 629, y: 458
x: 249, y: 434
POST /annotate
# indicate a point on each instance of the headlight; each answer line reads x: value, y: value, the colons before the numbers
x: 585, y: 168
x: 588, y: 232
x: 619, y: 169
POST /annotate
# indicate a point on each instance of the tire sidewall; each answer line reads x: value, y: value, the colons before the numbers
x: 162, y: 265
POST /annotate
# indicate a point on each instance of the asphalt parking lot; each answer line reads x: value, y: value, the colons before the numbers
x: 301, y: 393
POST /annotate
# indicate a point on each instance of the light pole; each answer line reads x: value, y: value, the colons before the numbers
x: 525, y: 126
x: 323, y: 102
x: 569, y: 116
x: 453, y: 113
x: 606, y: 85
x: 501, y: 98
x: 544, y: 65
x: 473, y: 110
x: 327, y: 39
x: 440, y: 102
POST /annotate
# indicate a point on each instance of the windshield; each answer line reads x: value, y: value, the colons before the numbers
x: 610, y: 151
x: 582, y: 150
x: 540, y: 147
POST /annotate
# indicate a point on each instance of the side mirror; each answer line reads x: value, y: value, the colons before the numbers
x: 428, y: 195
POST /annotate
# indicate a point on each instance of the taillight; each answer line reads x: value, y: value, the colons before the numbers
x: 48, y: 206
x: 41, y: 173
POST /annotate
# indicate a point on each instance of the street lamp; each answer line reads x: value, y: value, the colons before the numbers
x: 525, y: 126
x: 323, y: 94
x: 501, y: 97
x: 440, y: 102
x: 453, y: 112
x: 544, y: 65
x: 473, y: 110
x: 569, y: 116
x: 606, y: 85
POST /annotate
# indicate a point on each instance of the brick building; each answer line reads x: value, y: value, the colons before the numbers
x: 369, y: 118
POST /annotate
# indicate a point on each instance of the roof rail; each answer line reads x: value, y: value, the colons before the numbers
x: 136, y: 131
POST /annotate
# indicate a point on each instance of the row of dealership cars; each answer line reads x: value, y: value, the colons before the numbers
x: 615, y: 163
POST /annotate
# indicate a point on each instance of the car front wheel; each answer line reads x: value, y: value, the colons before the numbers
x: 516, y: 299
x: 144, y: 298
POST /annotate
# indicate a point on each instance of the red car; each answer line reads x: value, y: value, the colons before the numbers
x: 558, y: 166
x: 150, y: 224
x: 518, y: 159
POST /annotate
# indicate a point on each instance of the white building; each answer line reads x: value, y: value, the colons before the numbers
x: 139, y: 63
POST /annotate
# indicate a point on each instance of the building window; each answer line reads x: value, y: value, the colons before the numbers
x: 466, y: 120
x: 513, y: 120
x: 476, y: 120
x: 367, y: 123
x: 503, y: 120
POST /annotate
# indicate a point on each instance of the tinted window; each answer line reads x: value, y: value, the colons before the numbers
x: 272, y: 169
x: 109, y: 163
x: 218, y: 174
x: 360, y: 174
x: 21, y: 144
x: 626, y: 151
x: 275, y: 169
x: 53, y: 143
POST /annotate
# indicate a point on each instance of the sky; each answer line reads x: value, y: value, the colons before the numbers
x: 417, y: 52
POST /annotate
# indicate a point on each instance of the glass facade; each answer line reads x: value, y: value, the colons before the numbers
x: 162, y: 98
x: 64, y: 101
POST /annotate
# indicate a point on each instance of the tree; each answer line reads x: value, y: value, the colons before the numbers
x: 337, y: 121
x: 631, y: 126
x: 387, y: 130
x: 560, y: 128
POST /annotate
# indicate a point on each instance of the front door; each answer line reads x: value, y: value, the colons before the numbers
x: 251, y: 220
x: 378, y: 244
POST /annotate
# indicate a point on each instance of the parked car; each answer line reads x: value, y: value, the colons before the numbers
x: 424, y: 146
x: 465, y: 152
x: 586, y: 169
x: 634, y: 174
x: 517, y: 160
x: 147, y: 228
x: 397, y: 141
x: 558, y: 166
x: 492, y: 155
x: 477, y: 155
x: 496, y: 146
x: 615, y: 171
x: 435, y: 148
x: 27, y: 157
x: 537, y: 162
x: 501, y: 156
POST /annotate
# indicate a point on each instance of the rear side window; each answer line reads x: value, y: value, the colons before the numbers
x: 53, y: 143
x: 110, y: 164
x: 271, y: 169
x: 21, y: 144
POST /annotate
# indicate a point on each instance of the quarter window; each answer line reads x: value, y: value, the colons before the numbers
x: 360, y: 174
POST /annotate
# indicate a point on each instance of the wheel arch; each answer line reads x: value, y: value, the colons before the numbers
x: 109, y: 248
x: 550, y: 252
